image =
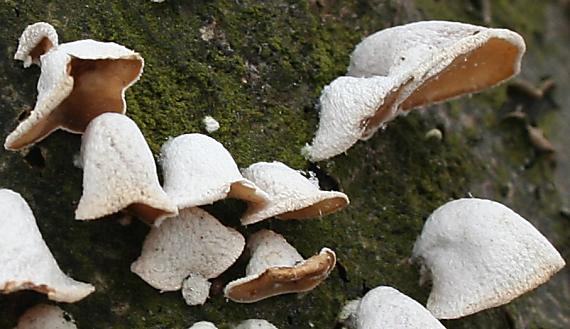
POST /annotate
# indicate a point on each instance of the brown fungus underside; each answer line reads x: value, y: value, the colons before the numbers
x: 468, y: 73
x: 282, y: 280
x: 41, y: 48
x: 319, y: 209
x: 98, y: 87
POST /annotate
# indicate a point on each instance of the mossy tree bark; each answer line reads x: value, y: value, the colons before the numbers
x: 258, y: 68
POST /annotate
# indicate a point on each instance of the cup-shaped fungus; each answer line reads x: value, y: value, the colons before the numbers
x: 276, y: 268
x: 79, y: 80
x: 26, y: 260
x: 255, y: 324
x: 386, y: 307
x: 291, y: 195
x: 36, y: 40
x: 198, y: 170
x: 43, y: 316
x: 119, y: 172
x: 187, y: 250
x: 480, y: 254
x: 203, y: 325
x: 421, y: 63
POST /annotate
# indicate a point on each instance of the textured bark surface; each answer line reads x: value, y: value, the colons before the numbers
x: 258, y: 67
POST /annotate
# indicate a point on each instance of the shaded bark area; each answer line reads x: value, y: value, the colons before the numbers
x: 258, y: 68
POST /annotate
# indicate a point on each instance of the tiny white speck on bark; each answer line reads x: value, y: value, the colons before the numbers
x: 210, y: 124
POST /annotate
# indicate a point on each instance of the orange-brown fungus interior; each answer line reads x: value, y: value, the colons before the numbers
x: 12, y: 286
x: 468, y: 73
x: 97, y: 88
x: 383, y: 112
x: 284, y: 280
x: 321, y: 208
x: 41, y: 48
x: 147, y: 213
x: 244, y: 192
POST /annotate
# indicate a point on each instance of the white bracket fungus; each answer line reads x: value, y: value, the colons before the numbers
x: 276, y: 268
x: 26, y: 260
x: 79, y: 80
x: 415, y: 65
x: 119, y: 172
x: 43, y: 316
x: 291, y: 195
x: 480, y: 254
x: 198, y: 170
x: 36, y: 40
x: 345, y: 106
x: 255, y: 324
x: 203, y: 325
x: 192, y: 247
x: 386, y: 307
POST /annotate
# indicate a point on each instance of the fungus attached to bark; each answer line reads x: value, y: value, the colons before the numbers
x: 26, y: 260
x: 386, y: 307
x: 276, y: 268
x: 198, y: 170
x: 119, y: 172
x: 203, y: 325
x: 43, y: 316
x: 480, y: 254
x: 36, y: 40
x: 291, y: 196
x: 187, y: 250
x: 418, y: 64
x: 79, y: 80
x: 345, y: 106
x: 255, y: 324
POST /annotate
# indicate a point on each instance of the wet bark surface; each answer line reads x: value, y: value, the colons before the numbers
x: 258, y: 68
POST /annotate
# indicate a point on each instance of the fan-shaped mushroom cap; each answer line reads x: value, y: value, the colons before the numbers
x: 26, y: 260
x: 346, y: 107
x: 276, y: 268
x: 119, y: 172
x: 420, y: 64
x: 443, y: 59
x: 291, y: 196
x: 203, y: 325
x: 36, y: 40
x: 255, y: 324
x: 43, y: 316
x: 198, y: 170
x: 79, y: 81
x: 194, y: 247
x: 481, y: 254
x: 387, y: 308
